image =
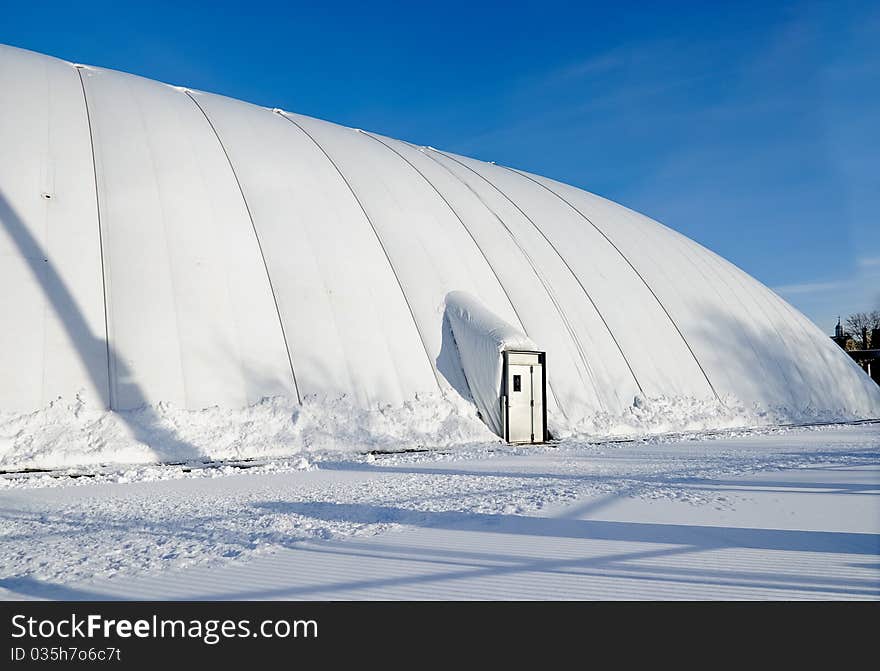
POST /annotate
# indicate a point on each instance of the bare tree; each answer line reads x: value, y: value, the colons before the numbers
x: 860, y: 324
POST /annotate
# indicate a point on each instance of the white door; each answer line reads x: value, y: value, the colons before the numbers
x: 519, y: 399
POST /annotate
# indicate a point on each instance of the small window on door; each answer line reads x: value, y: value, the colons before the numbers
x: 517, y: 382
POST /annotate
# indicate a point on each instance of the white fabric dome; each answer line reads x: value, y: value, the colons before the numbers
x: 166, y: 245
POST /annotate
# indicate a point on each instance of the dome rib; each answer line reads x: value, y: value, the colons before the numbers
x: 722, y: 275
x: 569, y: 329
x: 635, y: 270
x: 561, y: 258
x: 111, y: 387
x: 471, y: 236
x: 381, y: 245
x: 657, y: 252
x: 259, y: 242
x: 832, y: 355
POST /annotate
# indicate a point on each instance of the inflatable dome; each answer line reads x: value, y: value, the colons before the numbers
x: 161, y: 244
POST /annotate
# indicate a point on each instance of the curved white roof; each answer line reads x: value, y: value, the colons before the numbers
x: 167, y: 245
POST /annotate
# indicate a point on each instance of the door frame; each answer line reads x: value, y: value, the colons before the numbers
x: 505, y: 404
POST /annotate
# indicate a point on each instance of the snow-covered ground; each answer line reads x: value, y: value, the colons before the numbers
x: 761, y: 513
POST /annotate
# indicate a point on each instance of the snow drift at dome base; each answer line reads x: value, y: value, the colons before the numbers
x: 193, y: 276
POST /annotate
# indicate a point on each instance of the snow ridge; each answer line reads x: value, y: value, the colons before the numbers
x: 73, y: 433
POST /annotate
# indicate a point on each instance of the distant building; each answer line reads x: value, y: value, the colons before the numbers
x: 868, y: 358
x: 841, y: 337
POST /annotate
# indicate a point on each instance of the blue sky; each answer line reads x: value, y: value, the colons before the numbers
x: 753, y: 128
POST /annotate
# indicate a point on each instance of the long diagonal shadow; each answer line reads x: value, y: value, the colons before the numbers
x: 29, y: 586
x: 683, y: 539
x: 707, y: 537
x: 607, y: 566
x: 147, y: 427
x: 489, y: 560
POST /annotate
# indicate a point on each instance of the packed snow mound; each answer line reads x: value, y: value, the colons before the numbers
x: 480, y: 337
x: 72, y: 433
x: 651, y: 416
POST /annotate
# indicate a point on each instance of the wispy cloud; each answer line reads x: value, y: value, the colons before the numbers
x: 868, y: 262
x: 608, y: 90
x: 600, y: 64
x: 810, y: 288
